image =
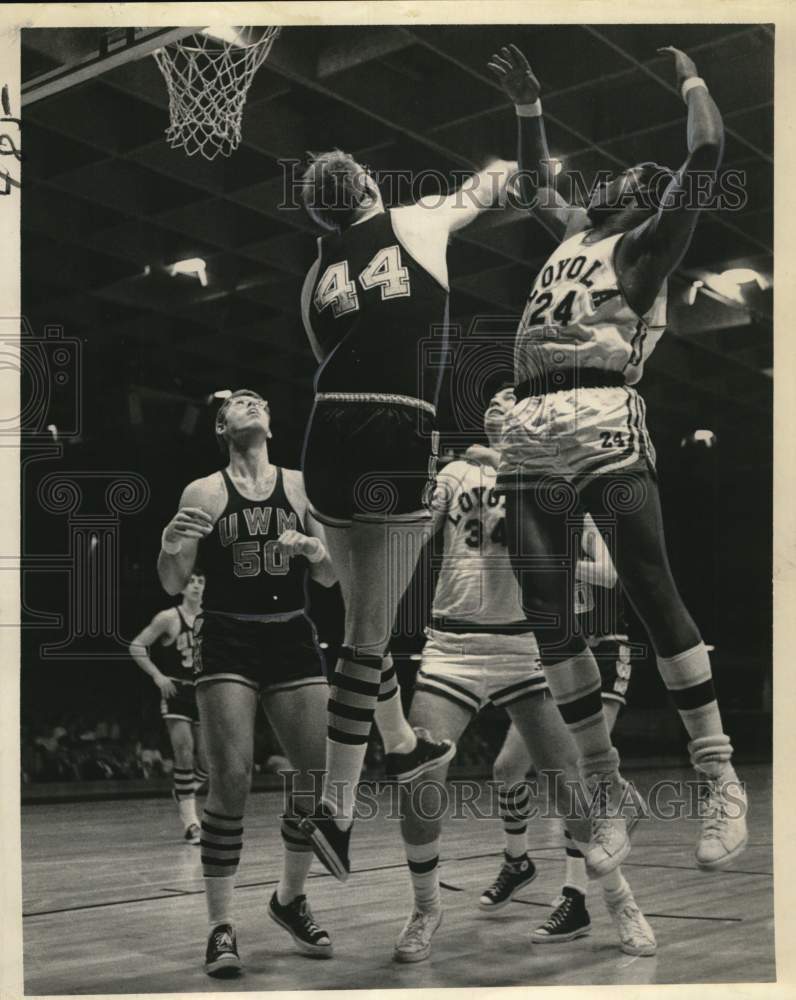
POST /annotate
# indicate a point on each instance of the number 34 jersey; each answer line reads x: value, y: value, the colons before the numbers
x: 371, y: 308
x: 246, y: 573
x: 577, y: 316
x: 476, y: 584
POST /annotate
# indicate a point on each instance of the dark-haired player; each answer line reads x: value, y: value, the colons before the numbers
x: 577, y: 435
x: 375, y: 308
x: 253, y: 642
x: 164, y: 651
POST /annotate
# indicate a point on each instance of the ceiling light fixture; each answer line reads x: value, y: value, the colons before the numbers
x: 194, y: 266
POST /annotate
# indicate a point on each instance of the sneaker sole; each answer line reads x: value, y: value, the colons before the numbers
x: 311, y: 950
x: 417, y: 956
x: 494, y: 907
x: 404, y: 777
x: 561, y: 938
x: 645, y: 952
x: 324, y: 850
x: 224, y: 968
x: 713, y: 866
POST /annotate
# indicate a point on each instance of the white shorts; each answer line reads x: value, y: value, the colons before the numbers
x: 473, y: 669
x: 576, y: 433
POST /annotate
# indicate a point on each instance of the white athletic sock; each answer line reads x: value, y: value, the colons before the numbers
x: 187, y: 810
x: 344, y: 762
x: 575, y: 874
x: 295, y: 869
x: 614, y: 884
x: 218, y: 894
x: 423, y: 862
x: 396, y: 733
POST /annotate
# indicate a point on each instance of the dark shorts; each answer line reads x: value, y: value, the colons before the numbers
x: 369, y: 461
x: 613, y: 659
x: 182, y: 705
x: 266, y: 656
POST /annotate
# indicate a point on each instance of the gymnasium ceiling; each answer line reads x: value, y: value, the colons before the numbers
x: 107, y: 204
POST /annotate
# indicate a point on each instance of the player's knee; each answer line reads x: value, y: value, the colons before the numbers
x: 507, y: 770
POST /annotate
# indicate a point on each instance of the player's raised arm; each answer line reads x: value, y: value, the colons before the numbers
x: 181, y: 536
x: 660, y: 242
x: 536, y: 180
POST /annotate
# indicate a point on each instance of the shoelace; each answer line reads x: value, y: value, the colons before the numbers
x: 222, y: 940
x: 714, y: 820
x: 306, y: 919
x: 417, y: 925
x: 633, y: 914
x: 562, y: 907
x: 503, y: 879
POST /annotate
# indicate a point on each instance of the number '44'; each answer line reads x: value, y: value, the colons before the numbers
x: 385, y: 270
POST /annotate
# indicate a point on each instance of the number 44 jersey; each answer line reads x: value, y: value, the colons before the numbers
x: 371, y: 308
x: 476, y: 584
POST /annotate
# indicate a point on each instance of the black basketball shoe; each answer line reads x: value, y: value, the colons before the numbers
x: 328, y: 840
x: 405, y: 767
x: 569, y: 920
x: 221, y: 958
x: 297, y: 919
x: 514, y: 875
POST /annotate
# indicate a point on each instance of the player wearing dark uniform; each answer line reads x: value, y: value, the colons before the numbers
x: 593, y: 316
x: 253, y: 642
x: 164, y: 651
x: 375, y: 307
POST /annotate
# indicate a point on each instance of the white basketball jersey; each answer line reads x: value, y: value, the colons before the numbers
x: 576, y: 316
x: 476, y: 583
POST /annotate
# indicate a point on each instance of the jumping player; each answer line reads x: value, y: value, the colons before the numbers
x: 375, y: 307
x: 479, y: 650
x: 164, y: 651
x: 254, y: 642
x: 577, y: 435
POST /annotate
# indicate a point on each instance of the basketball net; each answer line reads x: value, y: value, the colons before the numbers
x: 208, y: 79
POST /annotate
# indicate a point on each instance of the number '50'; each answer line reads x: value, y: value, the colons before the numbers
x: 248, y: 561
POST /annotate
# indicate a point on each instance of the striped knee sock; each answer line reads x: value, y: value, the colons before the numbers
x: 199, y: 778
x: 396, y: 733
x: 352, y: 703
x: 184, y: 796
x: 689, y: 680
x: 575, y: 685
x: 575, y: 875
x: 514, y: 807
x: 222, y: 842
x: 296, y: 863
x: 423, y: 862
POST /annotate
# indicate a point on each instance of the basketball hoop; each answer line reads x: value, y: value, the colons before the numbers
x: 208, y: 76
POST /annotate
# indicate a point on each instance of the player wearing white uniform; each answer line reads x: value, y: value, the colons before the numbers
x: 577, y: 436
x: 480, y: 651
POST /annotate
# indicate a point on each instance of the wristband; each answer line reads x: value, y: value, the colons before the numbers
x: 318, y: 553
x: 170, y: 548
x: 529, y: 110
x: 690, y: 83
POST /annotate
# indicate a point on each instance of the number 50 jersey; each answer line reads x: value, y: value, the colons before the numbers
x: 476, y: 584
x: 371, y: 308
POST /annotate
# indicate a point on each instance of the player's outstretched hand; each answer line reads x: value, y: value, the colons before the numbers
x: 188, y: 522
x: 515, y: 76
x: 684, y: 66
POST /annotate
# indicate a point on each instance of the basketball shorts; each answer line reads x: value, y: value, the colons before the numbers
x: 575, y: 434
x: 474, y: 669
x: 267, y: 656
x: 182, y: 705
x: 613, y: 659
x: 369, y: 461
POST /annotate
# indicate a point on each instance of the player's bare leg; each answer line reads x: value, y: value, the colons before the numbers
x: 182, y: 744
x: 643, y: 566
x: 382, y: 558
x: 199, y: 761
x: 227, y: 711
x: 421, y: 826
x: 298, y: 717
x: 537, y: 530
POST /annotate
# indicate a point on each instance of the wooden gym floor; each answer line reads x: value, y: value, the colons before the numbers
x: 113, y: 904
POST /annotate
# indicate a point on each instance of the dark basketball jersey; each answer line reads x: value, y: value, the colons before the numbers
x: 372, y: 307
x: 600, y: 611
x: 175, y: 660
x: 245, y: 573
